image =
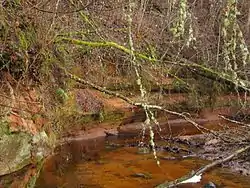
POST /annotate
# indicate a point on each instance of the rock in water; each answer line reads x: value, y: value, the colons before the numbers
x: 210, y: 185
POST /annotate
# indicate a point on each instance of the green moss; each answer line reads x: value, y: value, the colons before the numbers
x: 15, y: 152
x: 32, y: 181
x: 179, y: 86
x: 62, y: 96
x: 113, y: 116
x: 4, y: 128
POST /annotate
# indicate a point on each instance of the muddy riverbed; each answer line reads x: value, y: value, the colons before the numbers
x: 115, y: 162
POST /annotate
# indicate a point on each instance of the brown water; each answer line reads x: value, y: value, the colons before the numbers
x: 94, y: 164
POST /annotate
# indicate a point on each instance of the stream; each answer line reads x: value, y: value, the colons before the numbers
x: 112, y: 163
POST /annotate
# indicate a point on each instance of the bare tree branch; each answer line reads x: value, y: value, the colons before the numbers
x: 234, y: 121
x: 202, y: 170
x: 201, y: 69
x: 139, y: 104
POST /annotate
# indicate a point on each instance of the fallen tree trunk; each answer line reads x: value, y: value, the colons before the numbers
x: 202, y: 170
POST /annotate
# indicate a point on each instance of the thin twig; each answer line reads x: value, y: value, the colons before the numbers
x: 20, y: 101
x: 53, y: 19
x: 234, y: 121
x: 4, y: 105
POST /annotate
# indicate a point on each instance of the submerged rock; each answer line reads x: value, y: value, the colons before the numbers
x: 111, y: 132
x: 143, y: 150
x: 141, y: 175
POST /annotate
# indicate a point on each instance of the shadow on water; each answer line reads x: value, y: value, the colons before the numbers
x: 103, y: 162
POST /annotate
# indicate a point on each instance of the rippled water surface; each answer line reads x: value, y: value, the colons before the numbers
x: 96, y: 164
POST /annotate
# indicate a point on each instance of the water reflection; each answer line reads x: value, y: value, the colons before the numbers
x: 96, y: 164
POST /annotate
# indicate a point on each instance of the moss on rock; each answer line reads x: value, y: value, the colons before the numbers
x: 14, y: 152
